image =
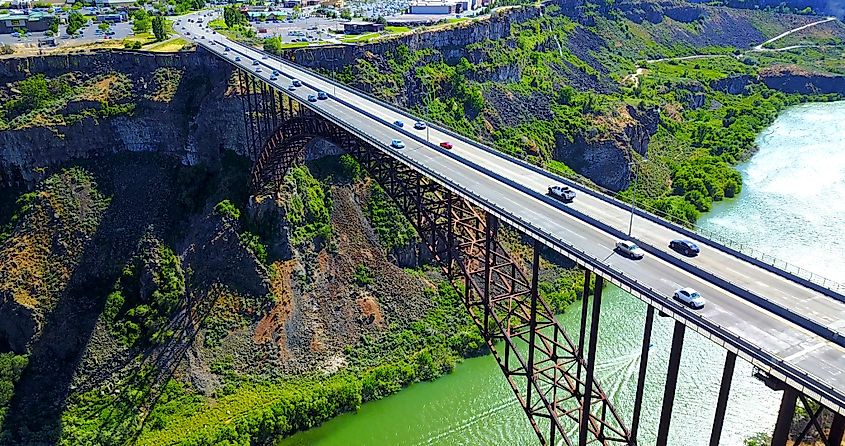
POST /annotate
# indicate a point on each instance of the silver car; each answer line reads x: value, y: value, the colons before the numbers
x: 690, y: 297
x: 629, y: 249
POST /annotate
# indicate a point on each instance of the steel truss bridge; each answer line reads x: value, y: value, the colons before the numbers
x: 459, y: 200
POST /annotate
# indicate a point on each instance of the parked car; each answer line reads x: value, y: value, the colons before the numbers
x: 322, y: 95
x: 398, y: 123
x: 563, y: 193
x: 397, y: 143
x: 312, y: 98
x: 685, y: 247
x: 419, y: 125
x: 629, y: 249
x: 690, y: 297
x: 297, y: 83
x: 446, y: 145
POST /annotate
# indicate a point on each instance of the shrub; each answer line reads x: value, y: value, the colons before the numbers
x: 227, y: 209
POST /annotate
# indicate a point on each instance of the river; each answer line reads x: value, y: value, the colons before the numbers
x: 791, y: 205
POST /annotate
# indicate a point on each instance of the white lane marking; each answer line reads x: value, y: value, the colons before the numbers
x: 805, y: 351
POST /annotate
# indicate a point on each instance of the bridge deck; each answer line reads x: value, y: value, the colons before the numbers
x: 489, y: 180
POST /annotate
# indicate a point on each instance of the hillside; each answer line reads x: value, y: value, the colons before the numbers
x: 586, y: 89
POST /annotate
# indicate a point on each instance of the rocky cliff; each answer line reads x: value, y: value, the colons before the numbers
x: 177, y: 104
x: 794, y: 79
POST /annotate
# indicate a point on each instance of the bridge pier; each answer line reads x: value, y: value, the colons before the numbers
x: 787, y: 410
x: 591, y: 363
x: 638, y: 399
x: 671, y: 383
x: 585, y: 300
x: 837, y: 430
x: 722, y: 402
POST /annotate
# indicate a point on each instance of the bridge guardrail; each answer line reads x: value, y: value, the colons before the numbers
x: 805, y: 379
x: 789, y: 271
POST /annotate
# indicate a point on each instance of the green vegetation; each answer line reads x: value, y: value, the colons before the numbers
x: 11, y: 367
x: 75, y: 21
x: 363, y: 276
x: 391, y: 226
x: 134, y: 314
x: 233, y: 17
x: 159, y: 28
x: 141, y: 21
x: 308, y: 207
x: 228, y: 209
x: 253, y: 243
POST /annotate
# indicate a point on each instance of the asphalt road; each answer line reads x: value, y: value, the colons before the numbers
x: 821, y: 358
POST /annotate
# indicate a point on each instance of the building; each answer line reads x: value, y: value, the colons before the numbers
x: 362, y: 27
x: 115, y: 17
x: 32, y: 22
x: 337, y: 4
x: 114, y: 3
x: 434, y: 7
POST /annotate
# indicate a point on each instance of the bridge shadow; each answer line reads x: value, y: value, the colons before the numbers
x: 136, y: 207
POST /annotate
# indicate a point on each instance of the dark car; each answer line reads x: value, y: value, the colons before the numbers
x: 419, y: 125
x: 685, y: 247
x: 399, y: 123
x: 563, y: 193
x: 321, y: 95
x: 312, y: 98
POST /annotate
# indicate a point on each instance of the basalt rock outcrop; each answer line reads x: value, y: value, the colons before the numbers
x: 794, y: 79
x: 190, y: 115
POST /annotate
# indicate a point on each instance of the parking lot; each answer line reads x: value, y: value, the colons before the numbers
x: 87, y: 34
x: 309, y: 28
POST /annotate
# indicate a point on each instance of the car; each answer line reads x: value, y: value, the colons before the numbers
x: 255, y: 62
x: 264, y: 57
x: 273, y: 77
x: 297, y: 83
x: 228, y: 49
x: 202, y: 37
x: 690, y: 297
x: 446, y: 145
x: 258, y: 70
x: 312, y: 98
x: 398, y: 123
x: 685, y: 247
x: 419, y: 125
x: 322, y: 95
x: 563, y: 193
x: 291, y: 87
x: 188, y: 33
x: 397, y: 143
x: 212, y: 42
x: 237, y: 58
x: 629, y: 249
x: 276, y: 72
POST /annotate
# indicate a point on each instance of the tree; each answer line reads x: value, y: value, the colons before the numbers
x: 75, y: 20
x: 141, y: 22
x: 54, y: 27
x: 381, y: 20
x: 158, y: 28
x: 104, y: 27
x: 346, y: 15
x: 233, y: 16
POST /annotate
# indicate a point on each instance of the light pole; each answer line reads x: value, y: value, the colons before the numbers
x: 636, y: 169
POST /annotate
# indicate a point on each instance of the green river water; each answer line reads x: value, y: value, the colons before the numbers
x: 791, y: 205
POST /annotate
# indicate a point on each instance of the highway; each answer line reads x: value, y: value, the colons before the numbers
x: 509, y: 188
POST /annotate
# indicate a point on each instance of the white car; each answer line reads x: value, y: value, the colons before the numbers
x: 629, y: 249
x: 690, y: 297
x: 397, y: 143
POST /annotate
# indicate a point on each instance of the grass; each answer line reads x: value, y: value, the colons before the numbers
x: 397, y: 29
x: 359, y: 38
x: 168, y: 46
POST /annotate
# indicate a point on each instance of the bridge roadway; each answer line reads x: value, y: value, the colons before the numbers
x: 479, y: 173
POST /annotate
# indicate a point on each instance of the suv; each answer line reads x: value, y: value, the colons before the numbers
x: 629, y: 249
x: 563, y: 193
x: 297, y: 83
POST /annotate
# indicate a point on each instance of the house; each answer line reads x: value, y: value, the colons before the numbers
x: 362, y: 27
x: 115, y: 17
x: 32, y: 22
x: 114, y: 3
